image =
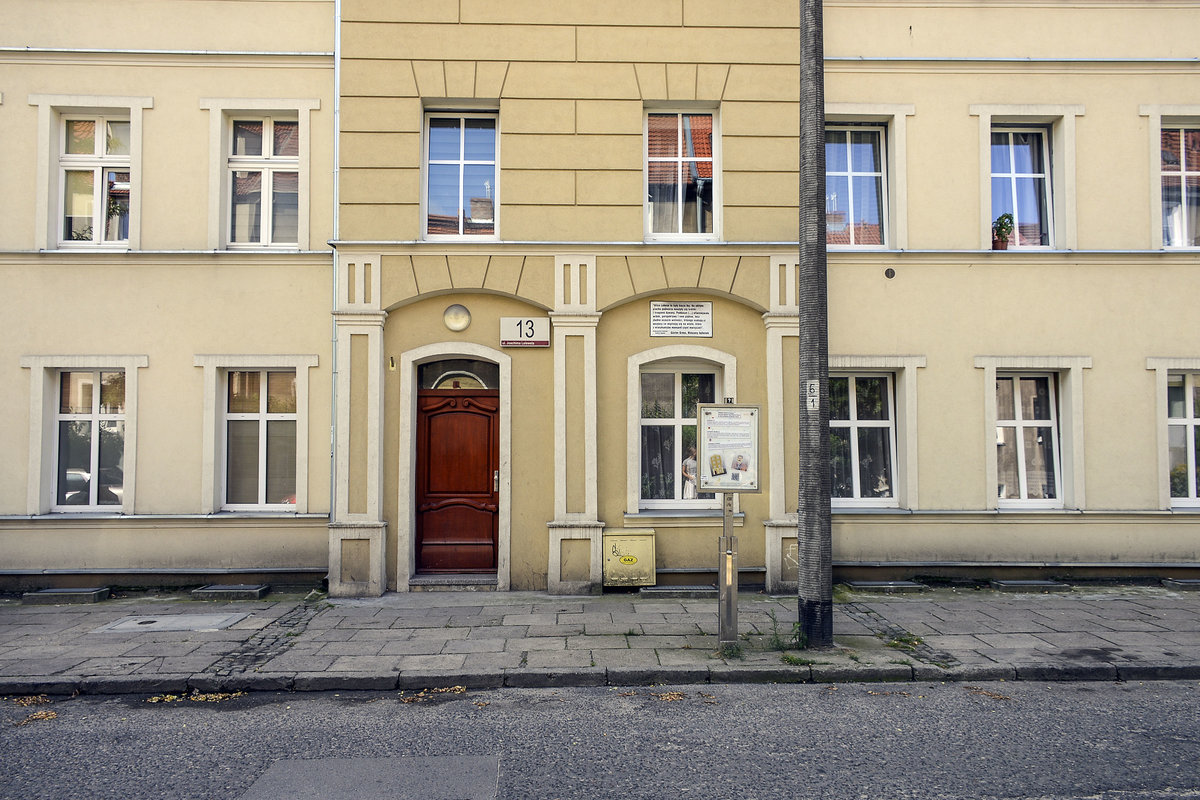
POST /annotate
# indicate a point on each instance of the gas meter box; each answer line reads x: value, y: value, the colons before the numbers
x: 629, y: 557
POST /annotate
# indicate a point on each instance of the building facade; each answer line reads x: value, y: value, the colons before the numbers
x: 519, y: 243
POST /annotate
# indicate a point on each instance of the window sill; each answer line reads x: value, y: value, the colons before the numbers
x: 682, y: 518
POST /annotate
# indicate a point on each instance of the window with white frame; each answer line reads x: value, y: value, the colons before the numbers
x: 1027, y: 451
x: 855, y: 186
x: 1183, y: 437
x: 1180, y: 165
x: 669, y: 394
x: 94, y: 180
x: 90, y: 440
x: 1021, y: 183
x: 264, y: 181
x: 260, y: 438
x: 862, y: 440
x: 462, y: 194
x: 681, y: 175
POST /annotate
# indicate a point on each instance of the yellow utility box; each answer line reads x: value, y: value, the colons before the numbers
x: 629, y: 557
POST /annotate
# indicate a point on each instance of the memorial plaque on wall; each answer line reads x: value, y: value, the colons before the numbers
x: 681, y: 319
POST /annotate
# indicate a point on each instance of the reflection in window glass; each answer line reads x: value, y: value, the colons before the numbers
x: 668, y: 402
x: 1180, y: 167
x: 1027, y: 455
x: 1183, y: 436
x: 1021, y: 184
x: 90, y: 452
x: 862, y: 438
x: 680, y: 172
x: 260, y: 438
x: 854, y: 186
x: 460, y: 176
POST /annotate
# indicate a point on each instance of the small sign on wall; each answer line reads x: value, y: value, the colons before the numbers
x: 681, y: 319
x: 728, y: 447
x: 524, y: 331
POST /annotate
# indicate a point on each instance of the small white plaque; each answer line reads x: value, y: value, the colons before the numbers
x: 524, y: 331
x: 681, y: 319
x: 812, y: 395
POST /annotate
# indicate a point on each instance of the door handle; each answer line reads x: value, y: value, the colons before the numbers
x: 496, y: 480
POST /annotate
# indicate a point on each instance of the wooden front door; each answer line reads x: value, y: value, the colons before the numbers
x: 458, y: 458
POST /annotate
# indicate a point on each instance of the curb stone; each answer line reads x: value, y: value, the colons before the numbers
x: 650, y: 676
x: 875, y: 673
x: 434, y: 679
x: 343, y: 681
x: 135, y: 684
x: 779, y: 674
x: 1066, y: 672
x: 530, y: 678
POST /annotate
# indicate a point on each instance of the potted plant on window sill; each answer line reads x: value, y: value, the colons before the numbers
x: 1002, y: 229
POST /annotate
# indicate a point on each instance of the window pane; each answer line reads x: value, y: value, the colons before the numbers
x: 75, y: 392
x: 699, y: 388
x: 663, y: 194
x: 1004, y: 399
x: 444, y: 137
x: 242, y: 462
x: 117, y: 141
x: 442, y: 206
x: 281, y: 393
x: 1177, y: 447
x: 658, y: 395
x: 871, y: 400
x: 246, y: 210
x: 111, y: 478
x: 1027, y: 153
x: 479, y: 181
x: 281, y: 461
x: 1170, y: 151
x: 874, y: 462
x: 1001, y: 161
x: 1174, y: 232
x: 1032, y: 227
x: 248, y: 137
x: 835, y: 151
x: 1195, y: 398
x: 286, y: 139
x: 79, y: 197
x: 864, y: 151
x: 1006, y: 464
x: 1191, y: 237
x: 839, y: 398
x: 697, y: 197
x: 74, y: 462
x: 837, y: 210
x: 112, y: 392
x: 1002, y: 200
x: 868, y: 211
x: 116, y: 206
x: 81, y: 137
x: 243, y: 392
x: 1176, y: 397
x: 480, y: 141
x: 285, y: 207
x: 1196, y: 450
x: 662, y: 136
x: 1039, y: 464
x: 1191, y: 150
x: 1035, y: 398
x: 841, y: 472
x: 658, y: 462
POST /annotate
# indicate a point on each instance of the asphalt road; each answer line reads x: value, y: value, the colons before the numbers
x: 991, y: 740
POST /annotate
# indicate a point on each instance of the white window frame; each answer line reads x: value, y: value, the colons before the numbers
x: 461, y: 162
x: 41, y: 491
x: 221, y: 113
x: 96, y: 416
x: 53, y: 110
x: 266, y: 164
x: 677, y: 423
x: 1190, y: 422
x: 853, y: 424
x: 1166, y: 368
x: 893, y: 117
x: 216, y: 368
x: 717, y: 201
x: 262, y: 417
x: 1068, y: 374
x: 99, y: 163
x: 684, y: 358
x: 1019, y: 424
x: 1012, y: 176
x: 1060, y: 120
x: 1186, y: 170
x: 850, y: 174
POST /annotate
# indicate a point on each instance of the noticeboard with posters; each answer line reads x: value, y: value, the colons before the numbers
x: 727, y: 439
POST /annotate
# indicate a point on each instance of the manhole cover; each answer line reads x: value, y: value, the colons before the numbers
x: 173, y: 622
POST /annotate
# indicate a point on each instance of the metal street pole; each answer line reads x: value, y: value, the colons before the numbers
x: 814, y: 531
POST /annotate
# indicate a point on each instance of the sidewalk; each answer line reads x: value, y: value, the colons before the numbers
x: 153, y: 643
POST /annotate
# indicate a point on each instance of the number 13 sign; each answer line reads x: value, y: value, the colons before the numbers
x: 524, y: 331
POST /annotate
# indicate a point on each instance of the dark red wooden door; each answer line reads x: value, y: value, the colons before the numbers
x: 458, y: 455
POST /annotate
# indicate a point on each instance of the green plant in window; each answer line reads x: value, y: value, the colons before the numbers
x: 1002, y: 227
x: 1179, y: 481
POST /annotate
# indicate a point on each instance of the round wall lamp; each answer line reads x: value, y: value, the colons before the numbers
x: 456, y: 317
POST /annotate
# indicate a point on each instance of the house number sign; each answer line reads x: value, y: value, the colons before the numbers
x: 524, y: 331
